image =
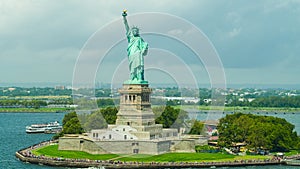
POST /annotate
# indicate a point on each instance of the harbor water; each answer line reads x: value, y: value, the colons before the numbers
x: 13, y: 138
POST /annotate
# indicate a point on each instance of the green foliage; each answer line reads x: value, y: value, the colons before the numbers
x: 204, y: 93
x: 22, y: 103
x: 71, y: 124
x: 85, y: 103
x: 109, y: 114
x: 272, y: 133
x: 43, y: 109
x: 95, y: 121
x: 158, y: 111
x: 68, y: 117
x: 292, y: 152
x: 271, y: 101
x: 99, y: 119
x: 57, y: 135
x: 171, y: 117
x: 61, y: 101
x: 263, y: 97
x: 104, y: 92
x: 206, y: 149
x: 197, y: 127
x: 172, y: 92
x: 173, y: 102
x: 34, y: 91
x: 276, y: 101
x: 105, y: 102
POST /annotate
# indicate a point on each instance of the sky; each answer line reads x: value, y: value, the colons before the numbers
x: 256, y: 42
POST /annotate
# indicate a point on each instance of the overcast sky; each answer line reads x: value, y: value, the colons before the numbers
x: 257, y: 41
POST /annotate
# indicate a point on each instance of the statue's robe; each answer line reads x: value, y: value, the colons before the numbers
x: 136, y: 50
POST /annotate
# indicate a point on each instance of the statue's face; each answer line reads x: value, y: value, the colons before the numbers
x: 135, y: 32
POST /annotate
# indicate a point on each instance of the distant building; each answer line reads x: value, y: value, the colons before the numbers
x: 59, y: 87
x: 184, y: 99
x: 11, y: 89
x: 207, y: 100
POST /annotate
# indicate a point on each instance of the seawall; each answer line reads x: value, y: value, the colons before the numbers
x: 25, y: 155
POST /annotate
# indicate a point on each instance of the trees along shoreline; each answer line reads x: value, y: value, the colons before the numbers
x: 274, y: 104
x: 257, y: 132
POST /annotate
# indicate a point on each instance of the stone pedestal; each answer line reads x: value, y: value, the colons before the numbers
x: 135, y: 111
x: 135, y: 107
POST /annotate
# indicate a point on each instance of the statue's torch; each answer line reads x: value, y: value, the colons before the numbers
x: 124, y: 12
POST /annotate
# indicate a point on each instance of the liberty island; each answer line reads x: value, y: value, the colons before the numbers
x: 13, y: 143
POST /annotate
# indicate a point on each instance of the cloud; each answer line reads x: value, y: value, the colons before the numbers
x: 175, y: 32
x: 261, y: 35
x: 247, y: 34
x: 234, y: 32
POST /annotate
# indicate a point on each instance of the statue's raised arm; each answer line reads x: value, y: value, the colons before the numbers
x: 124, y: 14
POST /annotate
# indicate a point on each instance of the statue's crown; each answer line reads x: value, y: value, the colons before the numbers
x: 135, y: 27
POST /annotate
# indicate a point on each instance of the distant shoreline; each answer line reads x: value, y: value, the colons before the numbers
x: 33, y: 110
x: 246, y: 109
x: 202, y: 109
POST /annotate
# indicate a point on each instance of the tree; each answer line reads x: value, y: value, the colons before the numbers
x: 272, y: 133
x: 171, y: 117
x: 71, y: 124
x: 197, y: 127
x: 256, y: 137
x: 109, y: 114
x: 182, y: 117
x: 68, y: 117
x: 158, y: 111
x: 244, y: 124
x: 227, y: 131
x: 268, y: 101
x: 95, y: 121
x: 99, y: 119
x: 105, y: 102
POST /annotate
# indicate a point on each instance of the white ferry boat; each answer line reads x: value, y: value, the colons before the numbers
x: 52, y: 127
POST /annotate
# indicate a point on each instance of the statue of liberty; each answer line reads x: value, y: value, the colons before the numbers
x: 136, y: 50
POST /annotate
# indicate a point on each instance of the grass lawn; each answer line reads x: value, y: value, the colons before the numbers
x: 52, y: 151
x: 292, y: 152
x: 178, y: 157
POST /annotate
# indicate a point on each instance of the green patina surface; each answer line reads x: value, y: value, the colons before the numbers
x: 136, y: 50
x: 135, y: 81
